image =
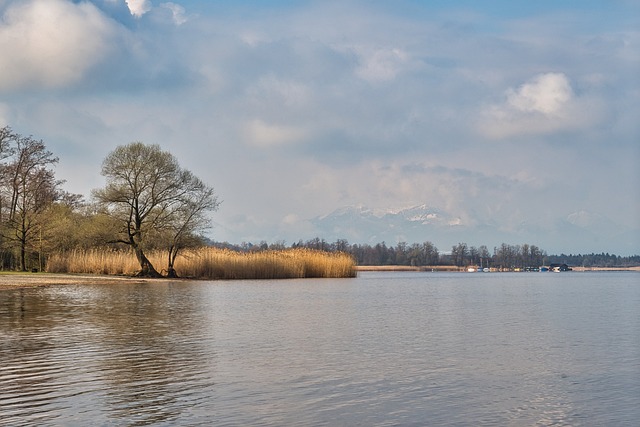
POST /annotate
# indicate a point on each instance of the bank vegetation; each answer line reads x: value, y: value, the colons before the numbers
x: 148, y: 220
x: 212, y: 263
x: 151, y: 216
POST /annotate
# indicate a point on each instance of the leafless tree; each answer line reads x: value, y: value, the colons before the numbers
x: 153, y: 199
x: 29, y: 188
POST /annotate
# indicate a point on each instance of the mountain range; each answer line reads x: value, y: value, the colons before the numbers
x: 578, y: 232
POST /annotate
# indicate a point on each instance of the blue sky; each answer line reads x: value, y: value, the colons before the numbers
x: 521, y: 115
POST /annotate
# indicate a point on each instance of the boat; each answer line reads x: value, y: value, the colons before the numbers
x: 557, y: 268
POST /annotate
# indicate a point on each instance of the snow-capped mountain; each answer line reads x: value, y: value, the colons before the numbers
x: 412, y: 224
x: 577, y: 232
x: 422, y: 214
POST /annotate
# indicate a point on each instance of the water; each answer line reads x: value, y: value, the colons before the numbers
x: 384, y: 349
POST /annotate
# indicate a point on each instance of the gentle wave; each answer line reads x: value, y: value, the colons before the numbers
x: 383, y: 349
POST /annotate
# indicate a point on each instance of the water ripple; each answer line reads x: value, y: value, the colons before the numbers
x: 381, y: 350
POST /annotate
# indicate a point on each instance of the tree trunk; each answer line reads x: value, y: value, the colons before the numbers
x: 171, y: 271
x: 23, y: 257
x: 23, y: 250
x: 146, y: 268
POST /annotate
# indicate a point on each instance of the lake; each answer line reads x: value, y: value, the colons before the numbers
x: 383, y: 349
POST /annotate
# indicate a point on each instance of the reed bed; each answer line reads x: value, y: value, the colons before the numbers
x: 212, y: 263
x: 94, y: 261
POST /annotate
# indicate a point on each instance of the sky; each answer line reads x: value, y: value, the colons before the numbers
x: 515, y: 113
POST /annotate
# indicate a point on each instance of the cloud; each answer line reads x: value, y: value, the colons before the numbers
x: 292, y: 112
x: 177, y: 12
x: 270, y: 90
x: 545, y: 104
x: 546, y: 93
x: 380, y: 65
x: 4, y: 114
x: 138, y: 7
x: 262, y: 134
x: 51, y: 43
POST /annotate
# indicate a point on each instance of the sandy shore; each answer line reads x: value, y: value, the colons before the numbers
x: 30, y: 280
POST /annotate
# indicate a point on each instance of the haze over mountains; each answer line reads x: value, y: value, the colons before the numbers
x: 578, y: 232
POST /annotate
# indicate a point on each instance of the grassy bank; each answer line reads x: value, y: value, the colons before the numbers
x: 212, y: 264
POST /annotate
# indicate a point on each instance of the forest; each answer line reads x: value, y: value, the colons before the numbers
x: 150, y: 204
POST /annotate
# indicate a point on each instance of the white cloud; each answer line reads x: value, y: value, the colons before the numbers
x: 546, y: 93
x: 177, y: 12
x: 138, y: 7
x: 50, y: 43
x: 545, y: 104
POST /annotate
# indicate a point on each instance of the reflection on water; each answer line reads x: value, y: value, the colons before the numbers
x: 134, y: 349
x: 382, y: 349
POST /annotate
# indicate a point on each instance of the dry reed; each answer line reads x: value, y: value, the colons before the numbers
x: 212, y: 263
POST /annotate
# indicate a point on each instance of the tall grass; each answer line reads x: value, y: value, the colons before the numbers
x: 93, y: 261
x: 212, y: 263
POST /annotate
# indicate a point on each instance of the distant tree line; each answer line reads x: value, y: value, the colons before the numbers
x: 418, y: 254
x: 596, y: 260
x: 504, y: 256
x: 151, y: 203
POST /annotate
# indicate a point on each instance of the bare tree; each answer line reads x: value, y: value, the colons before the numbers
x: 7, y: 141
x: 30, y: 188
x: 153, y: 198
x: 188, y: 219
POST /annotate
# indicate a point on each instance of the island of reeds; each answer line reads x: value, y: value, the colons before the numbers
x: 212, y: 263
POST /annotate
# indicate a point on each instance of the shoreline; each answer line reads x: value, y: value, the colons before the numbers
x: 19, y: 280
x: 581, y: 269
x: 453, y: 268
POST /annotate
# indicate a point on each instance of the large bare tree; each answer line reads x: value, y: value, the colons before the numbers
x: 153, y: 198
